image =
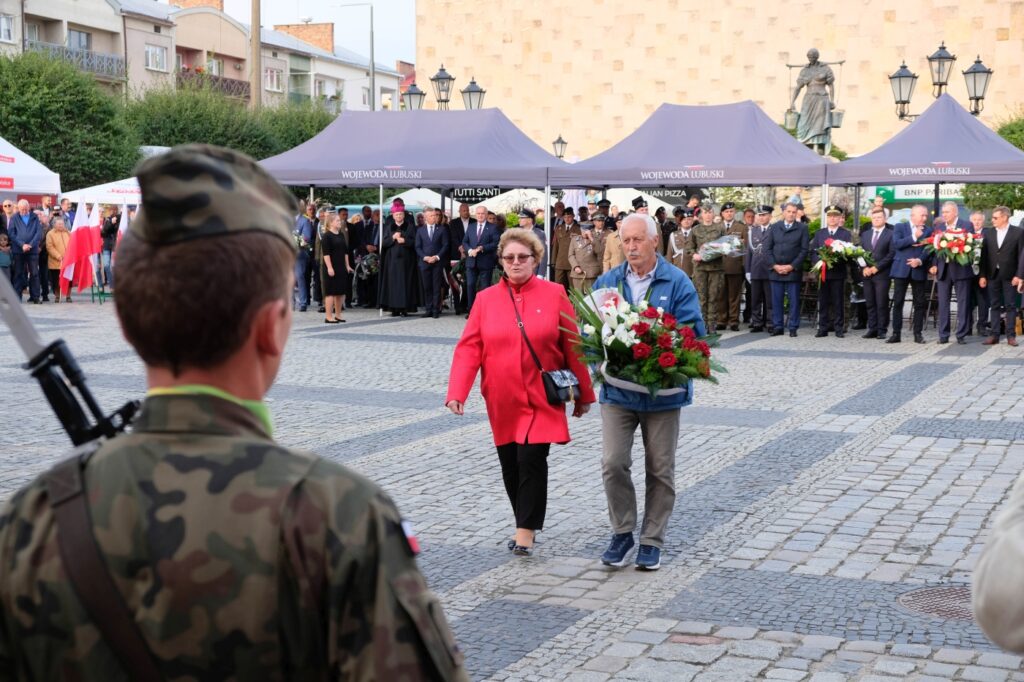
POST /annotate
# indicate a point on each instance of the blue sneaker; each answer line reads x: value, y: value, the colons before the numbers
x: 648, y: 558
x: 617, y: 551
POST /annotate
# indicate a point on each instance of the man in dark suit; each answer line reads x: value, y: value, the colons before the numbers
x: 755, y: 262
x: 910, y: 268
x: 831, y: 314
x: 877, y: 240
x: 950, y: 277
x: 980, y: 298
x: 431, y: 252
x: 25, y: 233
x: 786, y: 249
x: 1002, y: 268
x: 481, y: 247
x: 457, y: 231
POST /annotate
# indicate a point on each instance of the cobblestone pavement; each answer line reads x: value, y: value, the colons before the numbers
x: 822, y: 486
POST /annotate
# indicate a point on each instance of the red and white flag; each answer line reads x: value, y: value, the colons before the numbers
x: 76, y: 269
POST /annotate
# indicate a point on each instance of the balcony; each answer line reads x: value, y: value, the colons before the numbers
x: 227, y: 86
x: 108, y: 66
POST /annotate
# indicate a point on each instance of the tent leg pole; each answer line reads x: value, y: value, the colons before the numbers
x: 310, y: 194
x: 380, y: 253
x: 824, y: 201
x: 936, y: 199
x: 547, y: 226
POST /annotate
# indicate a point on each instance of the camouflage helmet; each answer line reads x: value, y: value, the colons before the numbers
x: 201, y: 190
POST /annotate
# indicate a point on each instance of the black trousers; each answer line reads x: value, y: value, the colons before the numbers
x: 982, y: 300
x: 761, y: 303
x: 831, y: 314
x: 962, y: 287
x: 1003, y: 300
x: 366, y: 290
x: 876, y: 298
x: 899, y: 296
x: 748, y: 301
x: 44, y: 266
x: 317, y: 288
x: 431, y: 277
x: 524, y: 468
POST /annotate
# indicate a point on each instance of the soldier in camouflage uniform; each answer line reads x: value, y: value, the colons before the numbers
x: 236, y: 557
x: 707, y: 277
x: 586, y: 255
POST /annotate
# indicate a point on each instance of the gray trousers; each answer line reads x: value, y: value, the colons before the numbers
x: 660, y: 432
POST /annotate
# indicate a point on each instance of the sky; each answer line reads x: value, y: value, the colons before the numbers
x: 394, y: 23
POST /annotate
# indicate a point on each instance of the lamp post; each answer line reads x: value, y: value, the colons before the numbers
x: 373, y: 64
x: 940, y: 64
x: 442, y: 82
x: 473, y: 95
x: 414, y: 98
x: 977, y: 77
x: 559, y: 146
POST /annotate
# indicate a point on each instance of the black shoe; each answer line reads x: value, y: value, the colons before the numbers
x: 777, y: 332
x: 436, y: 315
x: 895, y: 338
x: 792, y: 333
x: 467, y: 316
x: 961, y: 341
x: 427, y: 314
x: 321, y: 309
x: 918, y: 338
x: 34, y: 300
x: 840, y: 335
x: 946, y: 340
x: 754, y: 330
x: 858, y: 327
x: 821, y: 334
x: 734, y: 327
x: 520, y: 550
x: 870, y: 335
x: 302, y: 308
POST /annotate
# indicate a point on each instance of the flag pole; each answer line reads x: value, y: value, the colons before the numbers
x: 380, y: 253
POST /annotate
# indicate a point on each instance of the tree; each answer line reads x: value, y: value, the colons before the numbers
x: 65, y: 120
x: 1009, y: 195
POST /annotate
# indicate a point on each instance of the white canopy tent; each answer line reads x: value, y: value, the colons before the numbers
x: 119, y: 192
x: 21, y: 174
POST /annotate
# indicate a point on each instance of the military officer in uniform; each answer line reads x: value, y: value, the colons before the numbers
x: 640, y: 205
x: 831, y: 311
x: 677, y: 252
x: 707, y: 277
x: 586, y: 255
x: 561, y: 240
x: 755, y: 260
x: 613, y: 255
x: 227, y: 555
x: 732, y: 283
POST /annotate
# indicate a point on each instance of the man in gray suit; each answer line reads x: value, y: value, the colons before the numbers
x: 950, y: 277
x: 786, y: 248
x: 755, y: 261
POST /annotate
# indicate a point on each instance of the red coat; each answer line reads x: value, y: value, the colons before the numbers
x: 511, y: 384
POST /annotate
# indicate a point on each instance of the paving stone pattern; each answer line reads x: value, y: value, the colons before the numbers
x: 816, y: 483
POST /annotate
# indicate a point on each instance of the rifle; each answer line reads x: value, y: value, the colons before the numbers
x: 60, y: 377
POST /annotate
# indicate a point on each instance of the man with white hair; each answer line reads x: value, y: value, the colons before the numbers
x: 644, y: 276
x: 26, y: 234
x: 950, y: 277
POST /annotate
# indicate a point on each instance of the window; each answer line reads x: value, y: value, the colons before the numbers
x: 178, y: 62
x: 319, y: 88
x: 156, y: 29
x: 366, y: 96
x: 6, y: 28
x: 79, y: 40
x: 32, y: 32
x: 215, y: 67
x: 272, y: 79
x: 156, y: 58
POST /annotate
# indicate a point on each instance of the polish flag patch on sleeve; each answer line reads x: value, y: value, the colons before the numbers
x: 410, y: 537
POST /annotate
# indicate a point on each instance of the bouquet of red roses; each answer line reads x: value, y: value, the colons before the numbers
x: 639, y: 347
x: 955, y: 246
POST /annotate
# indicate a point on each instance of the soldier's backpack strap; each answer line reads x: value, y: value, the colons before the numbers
x: 80, y: 555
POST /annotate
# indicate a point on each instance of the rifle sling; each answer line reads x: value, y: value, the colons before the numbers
x: 83, y: 562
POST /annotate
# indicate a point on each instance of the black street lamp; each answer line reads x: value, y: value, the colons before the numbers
x: 977, y: 78
x: 903, y: 82
x: 442, y: 82
x: 560, y: 146
x: 473, y: 95
x: 413, y: 98
x: 941, y: 64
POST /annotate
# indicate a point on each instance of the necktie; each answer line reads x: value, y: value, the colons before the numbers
x: 430, y: 232
x: 479, y: 231
x: 875, y: 234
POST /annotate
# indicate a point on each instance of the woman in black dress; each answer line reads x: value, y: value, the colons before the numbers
x: 337, y: 272
x: 401, y: 280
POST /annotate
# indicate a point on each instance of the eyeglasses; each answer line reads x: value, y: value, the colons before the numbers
x: 517, y: 257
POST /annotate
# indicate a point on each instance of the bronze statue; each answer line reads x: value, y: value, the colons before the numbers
x: 814, y: 127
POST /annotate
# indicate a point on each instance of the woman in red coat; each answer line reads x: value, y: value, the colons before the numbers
x: 523, y: 423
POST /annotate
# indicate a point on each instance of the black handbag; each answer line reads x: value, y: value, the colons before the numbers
x: 560, y: 385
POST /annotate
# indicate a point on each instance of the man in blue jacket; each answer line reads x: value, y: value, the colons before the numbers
x: 26, y: 233
x: 645, y: 276
x: 910, y: 268
x: 786, y: 248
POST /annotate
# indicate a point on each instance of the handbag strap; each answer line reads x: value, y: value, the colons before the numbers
x: 522, y: 329
x: 87, y: 572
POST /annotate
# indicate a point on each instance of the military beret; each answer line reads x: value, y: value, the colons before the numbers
x: 621, y: 216
x: 527, y: 213
x: 604, y: 203
x: 570, y: 211
x: 727, y: 205
x: 832, y: 208
x: 764, y: 208
x: 688, y: 212
x: 599, y: 216
x: 201, y: 190
x: 639, y: 202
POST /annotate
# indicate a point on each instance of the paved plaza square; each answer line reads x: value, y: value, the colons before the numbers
x: 833, y: 496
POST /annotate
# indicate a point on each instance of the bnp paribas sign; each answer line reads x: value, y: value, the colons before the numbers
x: 684, y: 173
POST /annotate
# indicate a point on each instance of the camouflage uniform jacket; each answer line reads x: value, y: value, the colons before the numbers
x: 561, y: 240
x: 239, y: 558
x: 702, y: 234
x: 588, y: 256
